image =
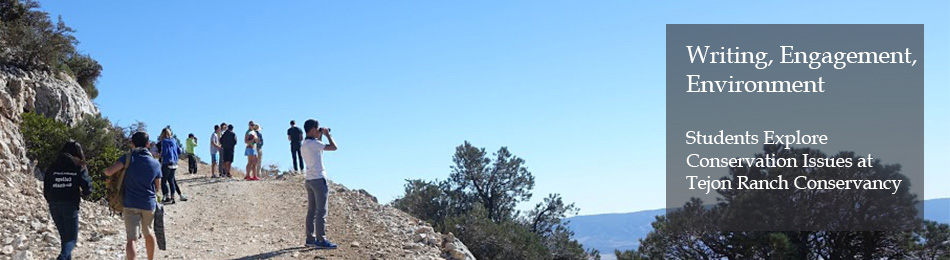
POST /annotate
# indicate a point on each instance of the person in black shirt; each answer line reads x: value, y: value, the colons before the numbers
x: 295, y: 136
x: 63, y: 184
x: 228, y: 141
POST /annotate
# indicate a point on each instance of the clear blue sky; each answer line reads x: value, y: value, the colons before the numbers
x: 574, y: 87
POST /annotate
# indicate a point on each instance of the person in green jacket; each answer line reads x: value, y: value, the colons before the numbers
x: 190, y: 150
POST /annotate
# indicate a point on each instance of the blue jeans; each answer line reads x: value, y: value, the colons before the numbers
x: 66, y: 217
x: 317, y: 192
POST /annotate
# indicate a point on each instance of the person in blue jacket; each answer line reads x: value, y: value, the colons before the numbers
x: 66, y: 180
x: 170, y: 152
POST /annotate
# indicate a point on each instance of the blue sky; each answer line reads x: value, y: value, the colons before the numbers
x: 574, y: 87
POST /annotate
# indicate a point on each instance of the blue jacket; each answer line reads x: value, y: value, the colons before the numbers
x: 170, y: 151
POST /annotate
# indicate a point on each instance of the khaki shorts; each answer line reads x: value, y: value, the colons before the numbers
x: 134, y: 218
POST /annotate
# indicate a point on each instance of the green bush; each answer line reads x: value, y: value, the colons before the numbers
x: 32, y: 41
x: 478, y: 203
x: 102, y: 143
x: 86, y: 71
x: 97, y: 166
x: 502, y: 241
x: 44, y: 138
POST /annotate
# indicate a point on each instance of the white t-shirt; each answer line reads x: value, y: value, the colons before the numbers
x: 215, y: 141
x: 312, y: 152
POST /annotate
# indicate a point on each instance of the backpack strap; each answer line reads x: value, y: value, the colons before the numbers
x: 121, y: 176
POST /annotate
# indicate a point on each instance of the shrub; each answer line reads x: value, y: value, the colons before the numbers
x: 97, y: 166
x: 86, y: 71
x: 478, y: 201
x: 490, y: 240
x: 32, y: 41
x: 102, y: 143
x: 44, y: 138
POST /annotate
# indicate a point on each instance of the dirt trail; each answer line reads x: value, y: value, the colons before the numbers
x: 237, y: 219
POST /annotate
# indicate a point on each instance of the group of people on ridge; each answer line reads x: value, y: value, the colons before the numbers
x: 150, y: 165
x: 223, y: 141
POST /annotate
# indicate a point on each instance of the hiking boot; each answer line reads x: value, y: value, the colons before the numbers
x: 169, y: 201
x: 183, y: 198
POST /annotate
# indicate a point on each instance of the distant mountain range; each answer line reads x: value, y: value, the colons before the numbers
x: 622, y: 231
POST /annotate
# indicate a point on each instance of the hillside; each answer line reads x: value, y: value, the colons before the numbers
x: 236, y: 219
x: 225, y: 219
x: 622, y: 231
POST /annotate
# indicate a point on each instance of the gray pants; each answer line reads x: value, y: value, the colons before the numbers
x: 317, y: 192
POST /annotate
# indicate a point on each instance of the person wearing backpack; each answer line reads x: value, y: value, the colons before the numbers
x: 140, y: 179
x: 63, y: 184
x: 260, y: 152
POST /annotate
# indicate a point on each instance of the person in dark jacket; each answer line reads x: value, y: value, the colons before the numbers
x: 228, y: 141
x: 63, y: 184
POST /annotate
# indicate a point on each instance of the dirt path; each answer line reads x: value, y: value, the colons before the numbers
x: 237, y: 219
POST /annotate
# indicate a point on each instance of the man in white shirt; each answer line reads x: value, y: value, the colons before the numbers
x: 316, y: 181
x: 215, y: 147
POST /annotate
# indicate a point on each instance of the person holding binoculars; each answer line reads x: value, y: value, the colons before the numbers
x: 316, y: 182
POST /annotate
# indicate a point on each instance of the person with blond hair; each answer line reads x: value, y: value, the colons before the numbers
x: 170, y: 151
x: 250, y: 150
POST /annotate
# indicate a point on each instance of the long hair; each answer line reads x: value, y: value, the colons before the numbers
x: 165, y: 134
x: 73, y: 150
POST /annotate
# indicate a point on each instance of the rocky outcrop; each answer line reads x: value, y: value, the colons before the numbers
x: 54, y: 95
x: 362, y: 209
x: 26, y: 231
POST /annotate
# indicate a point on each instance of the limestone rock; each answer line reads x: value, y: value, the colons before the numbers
x: 23, y: 255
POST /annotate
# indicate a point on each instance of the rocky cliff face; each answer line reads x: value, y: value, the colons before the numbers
x: 25, y: 228
x: 54, y: 95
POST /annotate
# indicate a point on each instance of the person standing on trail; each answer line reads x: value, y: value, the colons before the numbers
x: 154, y: 148
x: 260, y: 154
x: 190, y: 144
x: 63, y: 184
x: 170, y: 152
x: 215, y: 145
x: 228, y: 141
x: 141, y: 180
x: 250, y: 139
x: 316, y: 183
x: 295, y: 136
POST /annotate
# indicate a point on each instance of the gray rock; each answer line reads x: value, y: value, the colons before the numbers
x: 23, y: 255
